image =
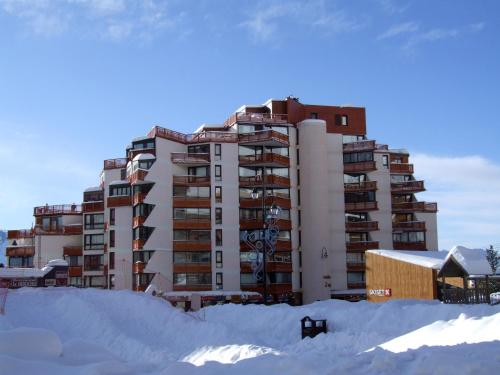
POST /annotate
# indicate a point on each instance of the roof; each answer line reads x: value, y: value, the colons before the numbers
x: 119, y: 182
x: 429, y: 259
x: 93, y: 188
x: 31, y: 272
x: 473, y: 261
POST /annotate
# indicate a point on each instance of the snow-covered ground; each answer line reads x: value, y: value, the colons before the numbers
x: 81, y: 331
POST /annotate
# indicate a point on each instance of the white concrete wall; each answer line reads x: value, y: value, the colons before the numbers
x: 48, y: 247
x: 431, y: 234
x: 383, y: 195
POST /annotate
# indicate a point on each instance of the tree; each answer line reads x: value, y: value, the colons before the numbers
x: 493, y: 259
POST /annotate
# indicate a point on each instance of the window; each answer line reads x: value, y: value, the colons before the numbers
x: 192, y: 213
x: 21, y: 262
x: 73, y: 260
x: 247, y: 278
x: 112, y: 260
x: 140, y: 145
x: 357, y: 157
x: 218, y: 194
x: 93, y: 196
x: 298, y: 157
x: 142, y: 256
x: 298, y: 197
x: 300, y: 238
x: 314, y: 115
x: 111, y: 216
x: 183, y: 257
x: 218, y: 151
x: 355, y: 258
x: 94, y: 221
x: 343, y: 120
x: 111, y: 238
x: 356, y: 217
x: 93, y: 262
x: 355, y: 277
x: 192, y: 191
x: 94, y: 242
x: 123, y: 174
x: 300, y: 279
x: 199, y: 149
x: 359, y: 197
x: 218, y: 173
x: 280, y: 278
x: 192, y: 235
x: 218, y: 215
x: 192, y: 278
x: 300, y: 258
x: 218, y: 259
x: 409, y: 237
x: 218, y: 280
x: 385, y: 160
x: 119, y: 190
x: 300, y: 218
x: 218, y: 237
x: 52, y: 223
x: 142, y: 233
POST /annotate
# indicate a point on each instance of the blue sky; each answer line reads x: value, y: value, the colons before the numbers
x: 80, y: 78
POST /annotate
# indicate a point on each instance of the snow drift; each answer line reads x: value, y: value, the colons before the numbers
x: 84, y: 331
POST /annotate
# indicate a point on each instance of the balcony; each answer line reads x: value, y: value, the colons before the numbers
x: 191, y: 180
x: 192, y: 223
x: 359, y: 146
x: 138, y: 175
x: 281, y: 245
x: 62, y: 209
x: 274, y: 266
x: 414, y: 207
x: 88, y: 207
x: 356, y: 266
x: 137, y: 221
x: 256, y: 118
x: 192, y: 245
x: 72, y: 251
x: 407, y: 187
x: 138, y: 267
x: 192, y: 267
x: 191, y: 202
x: 410, y: 246
x: 361, y: 206
x: 363, y: 166
x: 275, y: 289
x: 265, y: 160
x: 361, y: 246
x: 409, y: 226
x: 75, y: 271
x: 93, y: 267
x: 20, y: 251
x: 252, y: 224
x: 282, y: 202
x: 193, y: 288
x: 360, y: 186
x: 119, y: 201
x: 138, y: 244
x: 269, y: 181
x: 189, y: 159
x: 356, y: 285
x: 264, y: 138
x: 361, y: 226
x: 404, y: 168
x: 138, y: 198
x: 202, y: 137
x: 115, y: 163
x: 21, y: 233
x: 74, y: 229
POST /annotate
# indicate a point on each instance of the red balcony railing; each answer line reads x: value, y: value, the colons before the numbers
x: 265, y: 159
x: 361, y: 226
x: 364, y: 166
x: 264, y: 137
x: 138, y: 198
x: 92, y: 206
x: 119, y: 201
x: 407, y: 187
x: 192, y: 180
x: 420, y: 246
x: 360, y: 186
x: 202, y: 137
x: 115, y: 163
x: 75, y: 271
x: 401, y: 168
x: 138, y: 244
x: 62, y: 209
x: 259, y: 224
x: 281, y: 245
x: 192, y: 245
x: 409, y: 225
x: 73, y: 250
x: 414, y: 206
x: 138, y: 221
x: 73, y: 229
x: 256, y: 118
x: 189, y: 158
x: 20, y: 251
x: 269, y: 201
x: 191, y: 202
x: 361, y: 206
x: 138, y: 175
x: 268, y: 180
x: 361, y: 245
x: 359, y: 146
x: 20, y: 233
x: 192, y: 224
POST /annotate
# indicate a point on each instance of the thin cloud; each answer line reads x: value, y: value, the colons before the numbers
x: 397, y: 30
x: 108, y: 19
x: 393, y: 7
x: 264, y: 22
x: 466, y: 189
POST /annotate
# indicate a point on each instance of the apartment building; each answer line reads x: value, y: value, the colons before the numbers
x: 177, y: 209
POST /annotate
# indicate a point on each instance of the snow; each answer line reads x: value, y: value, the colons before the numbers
x: 145, y: 156
x: 119, y: 182
x: 473, y: 261
x: 31, y: 272
x: 122, y: 332
x: 429, y: 259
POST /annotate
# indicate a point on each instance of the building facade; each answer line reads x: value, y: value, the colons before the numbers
x: 175, y: 210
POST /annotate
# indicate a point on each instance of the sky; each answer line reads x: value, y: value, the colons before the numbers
x: 80, y: 78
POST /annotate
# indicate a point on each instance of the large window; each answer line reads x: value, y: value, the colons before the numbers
x: 356, y: 157
x: 192, y: 213
x: 356, y: 258
x: 218, y: 237
x: 256, y: 214
x: 247, y: 278
x: 94, y: 221
x: 358, y: 197
x: 218, y: 215
x: 356, y: 217
x: 199, y: 149
x: 93, y: 196
x: 142, y: 256
x: 357, y: 237
x: 192, y: 191
x: 21, y: 262
x: 94, y: 241
x: 181, y: 257
x: 142, y: 233
x: 218, y: 151
x: 52, y: 223
x: 401, y: 178
x: 93, y: 262
x: 192, y: 278
x: 409, y: 237
x: 145, y: 144
x: 119, y: 190
x: 218, y: 194
x: 355, y: 277
x: 280, y: 278
x: 142, y: 209
x: 218, y: 173
x: 192, y: 235
x: 73, y: 260
x: 354, y: 178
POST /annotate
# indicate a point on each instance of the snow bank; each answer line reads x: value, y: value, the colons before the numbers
x: 33, y: 343
x: 121, y: 332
